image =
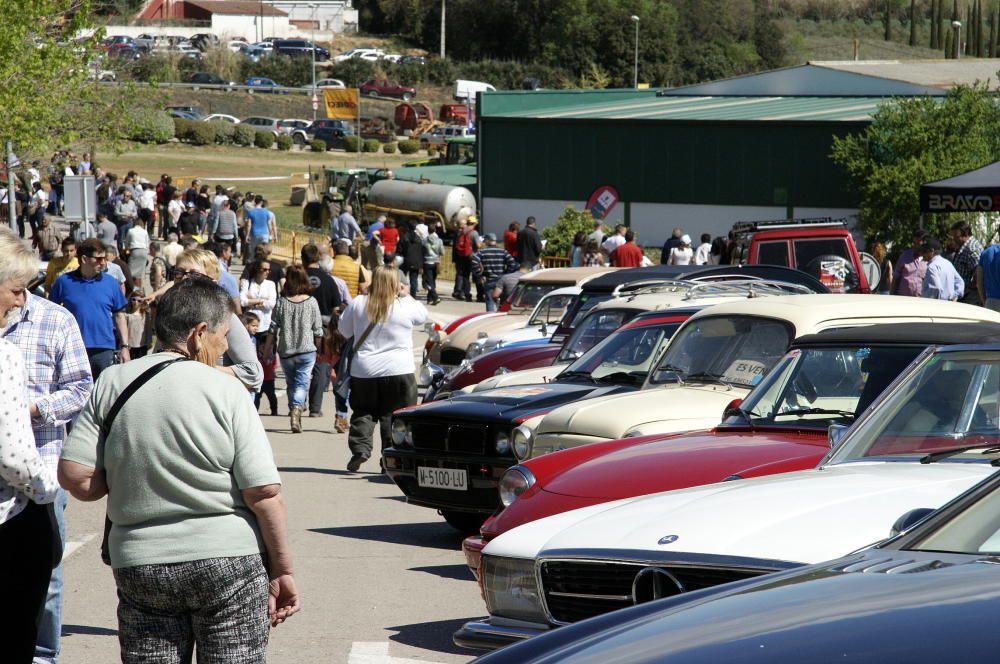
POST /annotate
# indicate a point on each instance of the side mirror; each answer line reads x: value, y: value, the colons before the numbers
x: 732, y: 409
x: 835, y: 434
x: 430, y: 375
x: 909, y: 520
x: 545, y: 329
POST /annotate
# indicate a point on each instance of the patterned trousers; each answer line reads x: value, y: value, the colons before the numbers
x: 216, y: 604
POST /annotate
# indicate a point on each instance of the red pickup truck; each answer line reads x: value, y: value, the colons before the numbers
x: 385, y: 88
x: 823, y: 248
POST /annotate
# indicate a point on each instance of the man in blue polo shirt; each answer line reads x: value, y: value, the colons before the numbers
x: 988, y: 277
x: 97, y: 304
x: 258, y: 221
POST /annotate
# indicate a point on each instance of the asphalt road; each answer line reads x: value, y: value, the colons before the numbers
x: 382, y: 582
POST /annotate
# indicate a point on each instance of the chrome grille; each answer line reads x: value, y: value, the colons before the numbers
x: 457, y: 438
x: 576, y: 590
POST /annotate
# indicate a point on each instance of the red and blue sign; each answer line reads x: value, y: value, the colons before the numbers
x: 602, y: 201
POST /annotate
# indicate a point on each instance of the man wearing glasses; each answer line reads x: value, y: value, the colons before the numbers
x: 97, y: 304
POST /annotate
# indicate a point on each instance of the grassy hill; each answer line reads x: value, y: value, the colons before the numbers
x: 808, y: 39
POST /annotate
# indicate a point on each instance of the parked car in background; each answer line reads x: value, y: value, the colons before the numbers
x: 97, y: 72
x: 299, y: 47
x: 414, y: 59
x: 124, y: 51
x: 465, y: 90
x: 204, y: 40
x: 329, y: 83
x: 289, y: 125
x: 206, y: 78
x: 191, y: 111
x: 251, y: 52
x: 263, y: 84
x: 440, y: 134
x: 184, y: 115
x: 334, y: 138
x: 261, y: 123
x: 392, y: 57
x: 187, y: 51
x: 335, y: 129
x: 146, y: 41
x: 221, y: 117
x: 265, y: 46
x: 370, y: 54
x: 387, y: 88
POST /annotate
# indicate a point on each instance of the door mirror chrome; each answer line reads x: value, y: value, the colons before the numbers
x: 909, y: 520
x: 835, y: 434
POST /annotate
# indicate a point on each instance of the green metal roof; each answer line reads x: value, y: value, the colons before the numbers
x: 706, y: 108
x: 458, y: 175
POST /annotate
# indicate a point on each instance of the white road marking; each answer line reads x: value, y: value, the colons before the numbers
x: 377, y: 652
x: 76, y: 545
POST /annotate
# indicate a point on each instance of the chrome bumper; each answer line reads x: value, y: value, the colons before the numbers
x: 484, y: 635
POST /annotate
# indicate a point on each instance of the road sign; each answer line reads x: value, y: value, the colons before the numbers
x: 80, y: 197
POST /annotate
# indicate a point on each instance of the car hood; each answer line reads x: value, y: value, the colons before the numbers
x: 510, y: 402
x: 523, y: 377
x: 488, y: 325
x: 801, y: 517
x: 947, y: 604
x: 681, y: 461
x: 699, y: 406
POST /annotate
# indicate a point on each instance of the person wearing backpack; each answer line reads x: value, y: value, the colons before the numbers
x: 465, y: 246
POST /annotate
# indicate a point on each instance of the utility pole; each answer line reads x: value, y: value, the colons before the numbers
x: 315, y: 101
x: 635, y: 62
x: 11, y: 207
x: 442, y: 27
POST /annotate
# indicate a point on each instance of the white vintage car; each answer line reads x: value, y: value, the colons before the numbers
x: 542, y: 323
x: 719, y: 355
x: 932, y: 435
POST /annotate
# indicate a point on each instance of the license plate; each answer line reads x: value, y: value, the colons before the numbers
x: 455, y: 479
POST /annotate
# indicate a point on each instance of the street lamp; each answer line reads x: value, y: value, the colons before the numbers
x: 313, y: 5
x: 635, y: 67
x: 957, y: 25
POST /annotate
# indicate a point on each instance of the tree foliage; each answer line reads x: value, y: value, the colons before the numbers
x: 559, y: 237
x: 912, y: 141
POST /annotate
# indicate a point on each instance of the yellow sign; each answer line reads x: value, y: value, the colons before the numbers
x: 341, y: 103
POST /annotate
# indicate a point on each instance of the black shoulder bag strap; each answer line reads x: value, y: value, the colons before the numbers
x: 109, y: 419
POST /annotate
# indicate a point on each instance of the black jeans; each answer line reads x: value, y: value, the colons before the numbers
x: 100, y: 359
x: 373, y: 400
x: 463, y: 277
x: 317, y: 386
x: 267, y: 390
x: 430, y: 280
x: 414, y: 274
x: 27, y: 552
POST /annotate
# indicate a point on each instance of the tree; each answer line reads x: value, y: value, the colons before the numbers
x: 912, y: 141
x: 913, y: 22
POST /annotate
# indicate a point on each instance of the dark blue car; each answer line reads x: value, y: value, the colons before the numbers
x: 263, y: 84
x: 931, y: 594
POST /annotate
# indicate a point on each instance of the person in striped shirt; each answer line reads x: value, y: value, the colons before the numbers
x: 488, y: 265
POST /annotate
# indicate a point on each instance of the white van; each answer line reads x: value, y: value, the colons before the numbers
x: 468, y: 89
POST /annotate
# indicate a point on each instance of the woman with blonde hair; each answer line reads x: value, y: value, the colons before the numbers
x: 380, y: 325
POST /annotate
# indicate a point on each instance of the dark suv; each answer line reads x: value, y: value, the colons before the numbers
x: 323, y: 129
x: 205, y: 78
x: 295, y: 47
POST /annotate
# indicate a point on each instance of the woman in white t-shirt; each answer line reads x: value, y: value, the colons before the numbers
x: 382, y: 370
x: 683, y: 254
x: 136, y: 243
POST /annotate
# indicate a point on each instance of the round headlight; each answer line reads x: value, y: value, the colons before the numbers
x: 514, y: 482
x: 502, y: 442
x: 399, y: 431
x: 434, y: 337
x: 475, y: 349
x: 425, y: 375
x: 522, y: 442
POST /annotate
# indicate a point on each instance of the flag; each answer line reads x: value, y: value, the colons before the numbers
x: 341, y: 103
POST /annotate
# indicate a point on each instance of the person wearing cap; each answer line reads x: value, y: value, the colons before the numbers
x: 682, y: 254
x: 941, y: 279
x: 529, y: 244
x: 489, y: 264
x: 187, y: 223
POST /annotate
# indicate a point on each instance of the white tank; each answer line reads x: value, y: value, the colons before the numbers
x: 431, y: 200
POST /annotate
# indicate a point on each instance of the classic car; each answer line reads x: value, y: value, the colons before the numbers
x: 511, y: 358
x: 930, y: 594
x: 718, y: 355
x: 446, y: 348
x: 380, y: 87
x: 929, y: 437
x: 540, y: 325
x: 776, y: 429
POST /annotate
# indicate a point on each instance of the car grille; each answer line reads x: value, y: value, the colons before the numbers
x: 452, y: 356
x: 577, y: 590
x: 457, y: 438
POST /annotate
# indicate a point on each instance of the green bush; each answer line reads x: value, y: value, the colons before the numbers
x: 149, y: 126
x: 431, y: 152
x: 202, y: 133
x: 559, y: 238
x: 263, y: 139
x: 290, y: 72
x: 371, y: 145
x: 225, y: 132
x: 389, y: 148
x: 244, y: 135
x: 284, y: 142
x: 352, y: 143
x: 317, y: 145
x: 409, y: 146
x: 353, y: 72
x: 182, y: 128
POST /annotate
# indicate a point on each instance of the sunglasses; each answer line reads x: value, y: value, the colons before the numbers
x: 178, y: 273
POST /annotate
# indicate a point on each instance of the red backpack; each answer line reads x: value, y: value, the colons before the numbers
x: 463, y: 245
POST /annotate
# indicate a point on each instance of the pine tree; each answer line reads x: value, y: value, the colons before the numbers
x: 993, y: 34
x: 887, y: 19
x: 934, y: 21
x: 913, y: 22
x: 949, y: 44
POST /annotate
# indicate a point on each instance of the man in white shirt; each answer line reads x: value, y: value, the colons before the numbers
x: 941, y: 280
x: 616, y: 240
x: 703, y: 254
x: 171, y: 250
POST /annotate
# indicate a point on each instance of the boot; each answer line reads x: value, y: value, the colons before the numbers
x: 296, y: 417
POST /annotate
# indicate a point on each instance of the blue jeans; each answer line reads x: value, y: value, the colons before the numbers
x: 47, y: 645
x: 298, y: 371
x: 491, y: 304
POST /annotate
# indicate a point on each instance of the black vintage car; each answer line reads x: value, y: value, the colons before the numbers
x: 928, y: 595
x: 449, y: 455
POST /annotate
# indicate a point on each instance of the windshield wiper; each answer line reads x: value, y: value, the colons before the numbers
x: 706, y: 376
x: 944, y: 454
x: 577, y: 374
x: 816, y: 411
x: 630, y: 377
x: 677, y: 371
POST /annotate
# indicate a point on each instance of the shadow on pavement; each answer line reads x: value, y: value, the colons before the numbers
x: 318, y: 471
x: 436, y: 535
x: 434, y: 636
x: 401, y: 499
x: 70, y: 630
x: 457, y: 572
x: 378, y: 478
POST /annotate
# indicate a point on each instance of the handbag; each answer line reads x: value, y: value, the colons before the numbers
x: 342, y: 386
x: 109, y: 419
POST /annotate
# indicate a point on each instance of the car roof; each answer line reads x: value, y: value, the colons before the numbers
x: 574, y: 275
x: 651, y: 316
x: 608, y: 282
x: 922, y: 333
x: 706, y: 293
x: 811, y: 313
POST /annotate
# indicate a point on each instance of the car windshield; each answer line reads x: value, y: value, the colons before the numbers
x: 947, y: 409
x: 817, y: 387
x: 550, y: 310
x: 528, y: 294
x: 592, y: 330
x: 734, y: 350
x: 975, y: 530
x: 626, y: 356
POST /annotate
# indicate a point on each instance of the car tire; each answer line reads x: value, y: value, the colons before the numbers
x: 373, y: 93
x: 298, y: 139
x: 464, y: 522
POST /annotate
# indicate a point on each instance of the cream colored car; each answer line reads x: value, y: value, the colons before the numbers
x: 447, y: 348
x: 716, y: 357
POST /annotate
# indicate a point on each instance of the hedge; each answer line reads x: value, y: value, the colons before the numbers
x: 317, y: 145
x: 371, y: 145
x: 263, y: 139
x: 389, y: 148
x: 409, y: 146
x: 202, y: 133
x: 352, y: 143
x: 182, y: 128
x: 244, y: 135
x: 152, y: 126
x: 284, y: 142
x: 225, y: 132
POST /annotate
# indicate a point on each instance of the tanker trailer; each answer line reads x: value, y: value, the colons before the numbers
x: 427, y: 202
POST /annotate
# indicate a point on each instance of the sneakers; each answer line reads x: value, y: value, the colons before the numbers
x: 355, y: 463
x: 340, y: 424
x: 296, y: 419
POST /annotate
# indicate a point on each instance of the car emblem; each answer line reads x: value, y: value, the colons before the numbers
x: 654, y: 583
x: 668, y: 539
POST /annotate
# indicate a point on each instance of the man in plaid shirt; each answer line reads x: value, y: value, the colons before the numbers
x: 59, y: 381
x: 966, y: 259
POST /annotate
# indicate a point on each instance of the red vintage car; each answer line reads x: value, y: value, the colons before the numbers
x: 512, y: 358
x: 786, y: 423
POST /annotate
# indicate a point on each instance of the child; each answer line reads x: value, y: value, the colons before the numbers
x: 139, y: 323
x: 333, y: 342
x: 251, y: 322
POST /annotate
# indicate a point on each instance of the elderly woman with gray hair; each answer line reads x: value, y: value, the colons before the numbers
x: 196, y: 535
